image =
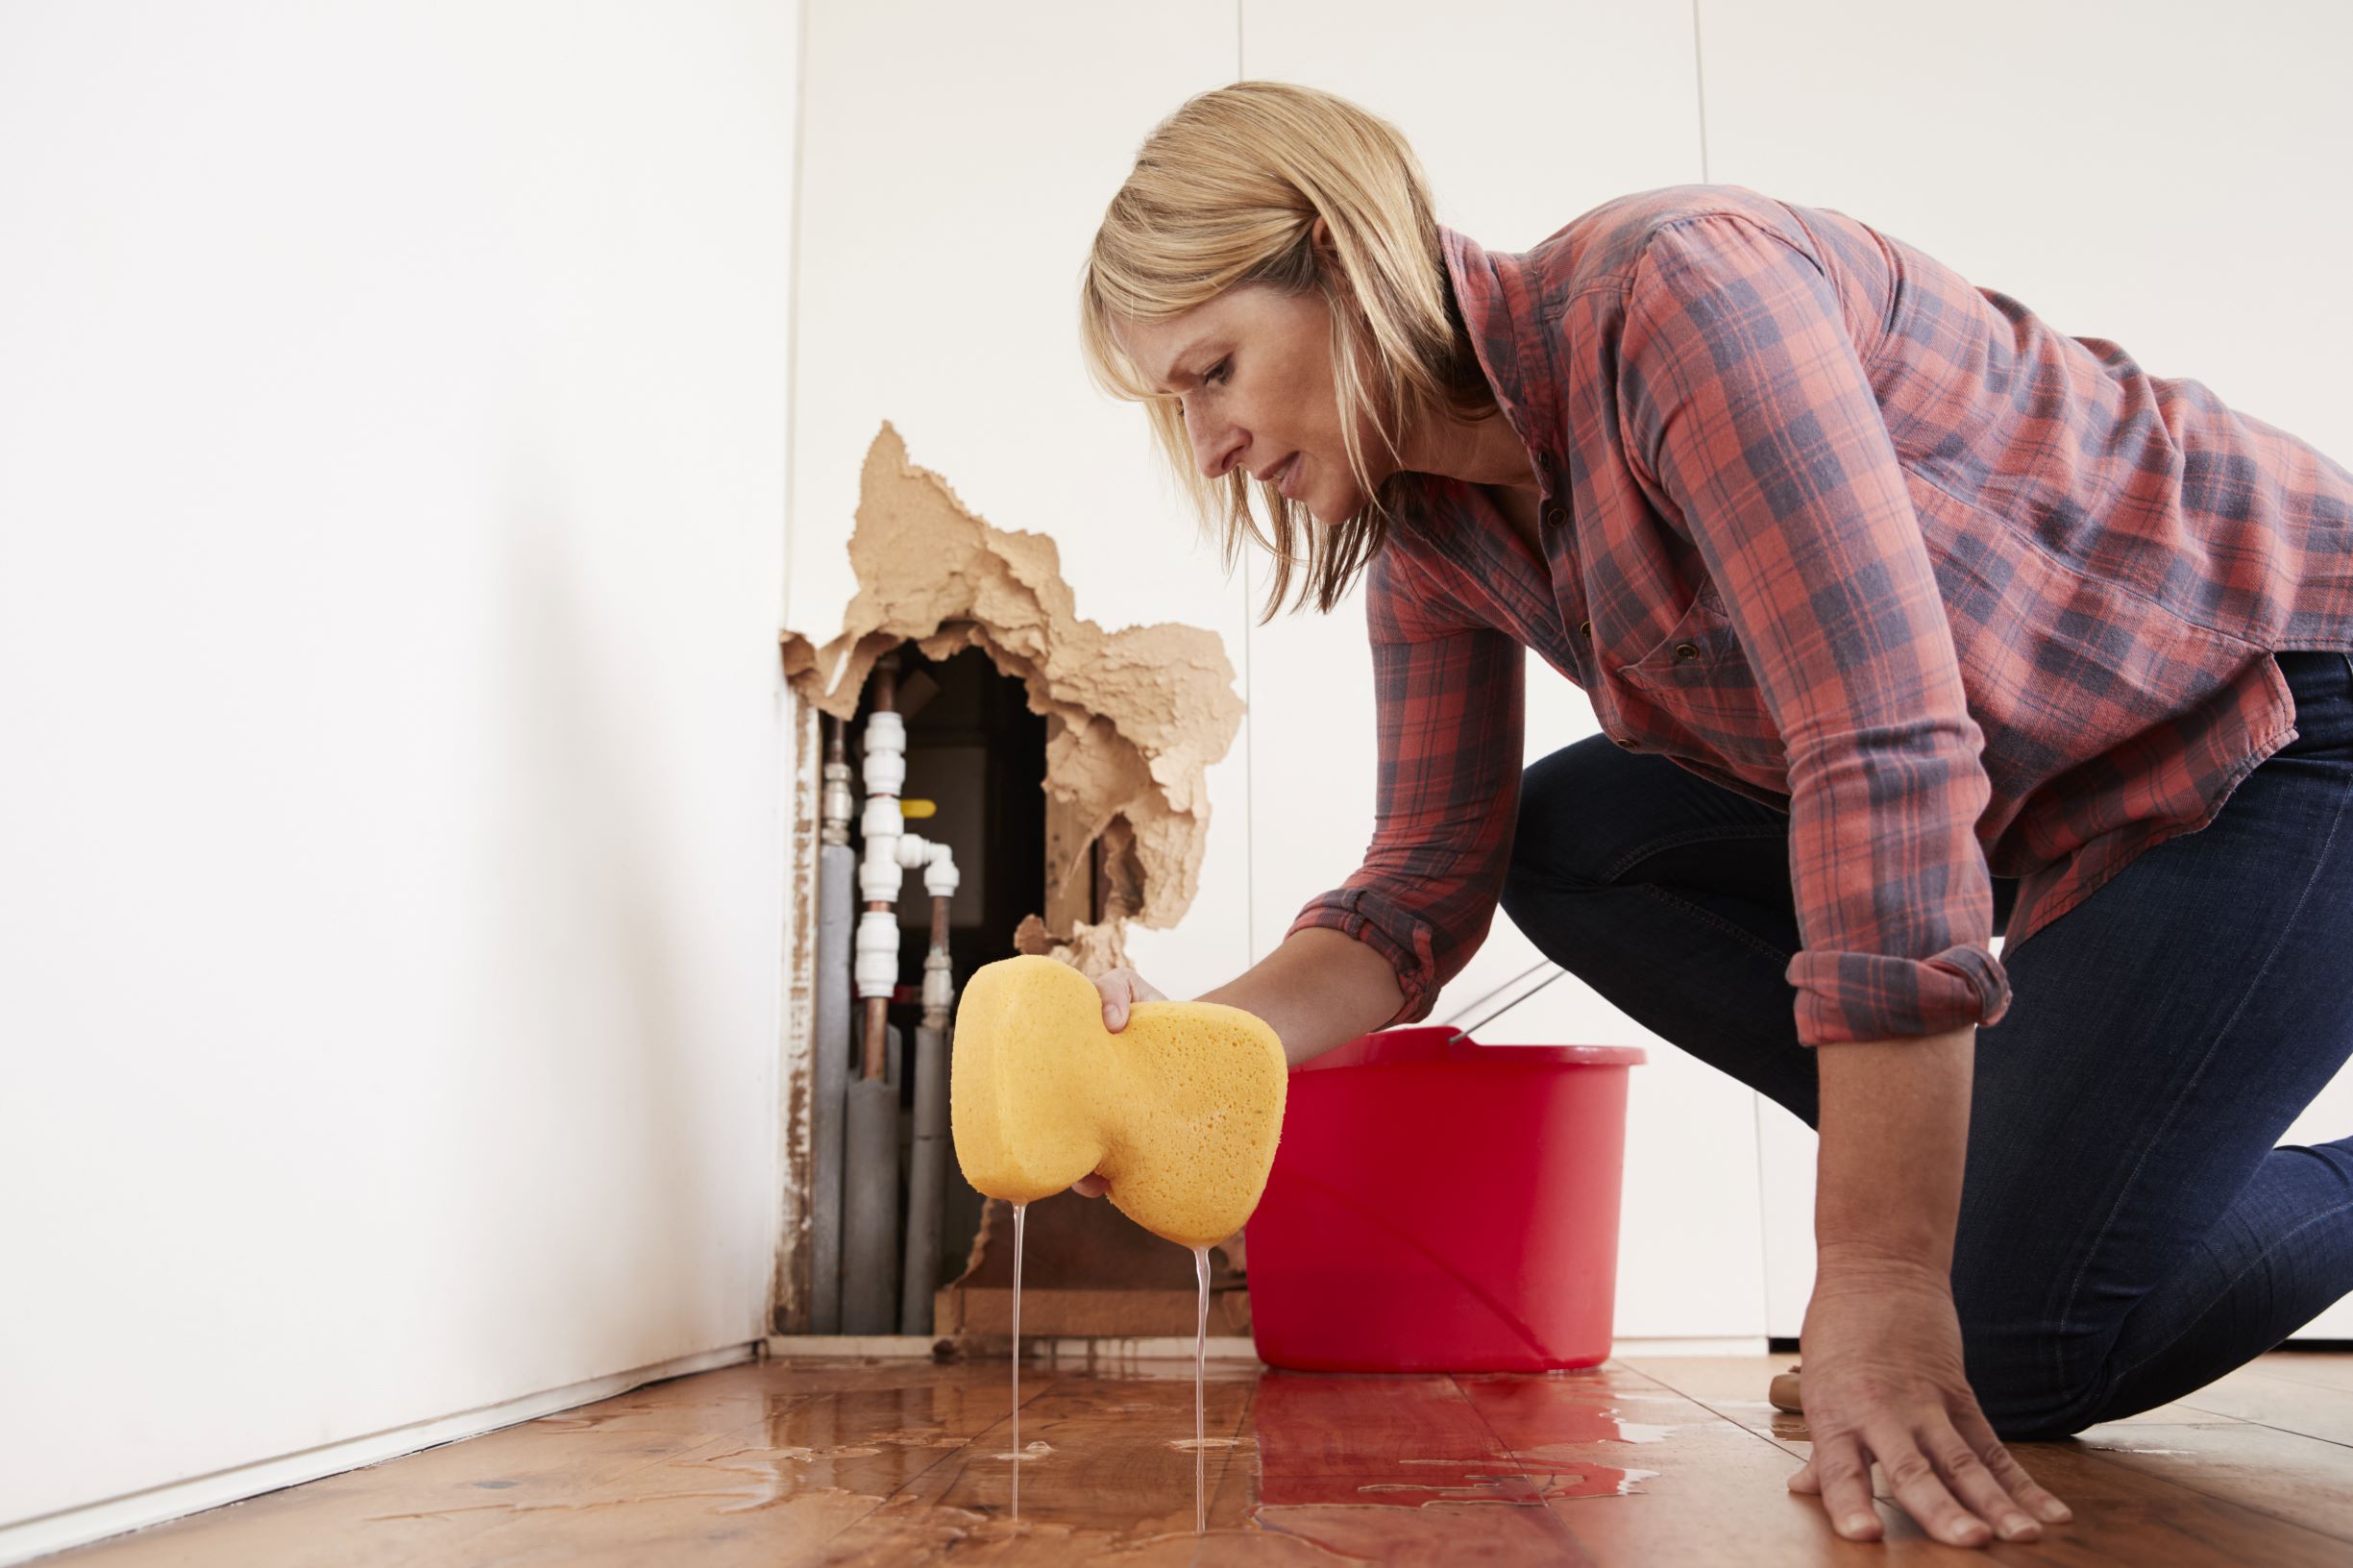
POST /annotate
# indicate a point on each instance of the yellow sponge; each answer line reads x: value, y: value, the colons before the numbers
x: 1179, y: 1111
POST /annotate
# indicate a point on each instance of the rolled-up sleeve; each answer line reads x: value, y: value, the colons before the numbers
x: 1742, y: 395
x: 1448, y: 702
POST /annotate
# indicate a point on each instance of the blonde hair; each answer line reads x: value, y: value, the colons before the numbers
x: 1226, y: 192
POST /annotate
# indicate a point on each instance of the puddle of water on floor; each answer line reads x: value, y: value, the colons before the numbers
x: 1037, y: 1448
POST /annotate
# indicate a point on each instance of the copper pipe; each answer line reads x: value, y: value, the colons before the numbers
x: 876, y: 1065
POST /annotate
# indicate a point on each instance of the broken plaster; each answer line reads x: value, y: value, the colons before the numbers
x: 1135, y: 717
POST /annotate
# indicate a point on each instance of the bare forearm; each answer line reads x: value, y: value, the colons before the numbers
x: 1895, y: 1136
x: 1319, y: 989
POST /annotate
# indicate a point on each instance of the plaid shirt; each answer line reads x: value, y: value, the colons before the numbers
x: 1830, y: 526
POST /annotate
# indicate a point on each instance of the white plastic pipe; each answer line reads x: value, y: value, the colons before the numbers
x: 880, y: 874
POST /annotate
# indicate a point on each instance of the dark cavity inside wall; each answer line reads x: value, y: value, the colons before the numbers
x: 975, y: 751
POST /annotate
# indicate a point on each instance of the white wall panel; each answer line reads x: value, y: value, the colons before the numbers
x: 2152, y: 171
x: 956, y: 161
x: 390, y: 871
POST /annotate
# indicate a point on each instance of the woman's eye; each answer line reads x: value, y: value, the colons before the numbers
x: 1220, y: 371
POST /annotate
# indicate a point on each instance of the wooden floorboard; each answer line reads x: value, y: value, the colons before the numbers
x: 2249, y: 1477
x: 2286, y: 1401
x: 1656, y: 1462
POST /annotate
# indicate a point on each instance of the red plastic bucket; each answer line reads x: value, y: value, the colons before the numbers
x: 1441, y: 1206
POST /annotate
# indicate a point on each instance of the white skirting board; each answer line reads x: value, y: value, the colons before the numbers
x: 1063, y: 1348
x: 95, y: 1521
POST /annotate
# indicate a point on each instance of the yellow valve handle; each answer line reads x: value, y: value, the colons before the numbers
x: 916, y: 809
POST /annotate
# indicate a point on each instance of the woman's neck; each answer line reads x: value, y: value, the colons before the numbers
x: 1483, y: 451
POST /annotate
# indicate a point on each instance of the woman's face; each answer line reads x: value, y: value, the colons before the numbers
x: 1253, y: 371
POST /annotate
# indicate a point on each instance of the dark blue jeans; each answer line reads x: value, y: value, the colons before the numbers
x: 2128, y: 1231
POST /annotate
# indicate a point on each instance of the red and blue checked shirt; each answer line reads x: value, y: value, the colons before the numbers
x: 1830, y: 526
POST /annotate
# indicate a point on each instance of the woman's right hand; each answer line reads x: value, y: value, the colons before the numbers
x: 1120, y: 989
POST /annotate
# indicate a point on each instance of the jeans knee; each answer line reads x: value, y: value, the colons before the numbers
x: 2027, y: 1394
x: 1553, y: 844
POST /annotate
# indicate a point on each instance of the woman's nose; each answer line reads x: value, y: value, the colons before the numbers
x: 1215, y: 451
x: 1215, y: 447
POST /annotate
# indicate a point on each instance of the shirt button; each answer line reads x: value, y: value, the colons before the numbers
x: 1585, y: 629
x: 1686, y: 651
x: 1554, y: 517
x: 1625, y: 744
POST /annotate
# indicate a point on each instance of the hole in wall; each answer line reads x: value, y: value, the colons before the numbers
x: 976, y: 753
x: 1067, y: 766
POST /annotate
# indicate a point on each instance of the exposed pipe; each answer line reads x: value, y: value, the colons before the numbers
x: 927, y: 1156
x: 837, y: 892
x: 878, y: 876
x: 875, y: 1288
x: 871, y: 1194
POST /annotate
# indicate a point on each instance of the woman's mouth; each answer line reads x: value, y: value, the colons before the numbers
x: 1284, y: 475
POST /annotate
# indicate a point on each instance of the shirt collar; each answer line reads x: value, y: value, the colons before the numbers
x: 1495, y: 292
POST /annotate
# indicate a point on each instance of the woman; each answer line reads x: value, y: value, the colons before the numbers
x: 1907, y: 621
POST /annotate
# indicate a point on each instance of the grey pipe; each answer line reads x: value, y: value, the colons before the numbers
x: 870, y: 1203
x: 927, y: 1180
x: 836, y: 915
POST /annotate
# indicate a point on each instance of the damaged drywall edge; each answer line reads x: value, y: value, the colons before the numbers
x: 789, y: 1294
x: 1136, y: 717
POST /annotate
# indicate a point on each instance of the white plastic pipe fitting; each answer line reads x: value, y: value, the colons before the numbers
x: 937, y: 860
x: 883, y: 824
x: 875, y: 968
x: 890, y: 852
x: 886, y: 754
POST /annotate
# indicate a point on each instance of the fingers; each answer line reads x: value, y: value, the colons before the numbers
x: 1977, y: 1488
x: 1840, y: 1476
x: 1120, y: 989
x: 1920, y: 1491
x: 2015, y: 1480
x: 1923, y: 1476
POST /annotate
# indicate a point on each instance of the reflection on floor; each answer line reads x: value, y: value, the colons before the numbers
x: 1651, y: 1462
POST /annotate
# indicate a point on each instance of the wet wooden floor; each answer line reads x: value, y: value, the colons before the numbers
x: 1650, y: 1462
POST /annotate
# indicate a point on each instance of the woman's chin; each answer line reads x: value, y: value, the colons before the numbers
x: 1321, y: 508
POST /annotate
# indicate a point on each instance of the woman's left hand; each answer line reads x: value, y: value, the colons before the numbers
x: 1883, y: 1381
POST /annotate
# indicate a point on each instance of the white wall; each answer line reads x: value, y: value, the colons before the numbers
x: 956, y: 159
x: 2121, y: 168
x: 392, y: 410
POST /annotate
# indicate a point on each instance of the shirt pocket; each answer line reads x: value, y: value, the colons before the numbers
x: 1695, y: 695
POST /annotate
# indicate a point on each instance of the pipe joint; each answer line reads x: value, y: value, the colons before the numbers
x: 939, y: 983
x: 886, y: 754
x: 876, y: 969
x: 879, y: 875
x: 937, y: 860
